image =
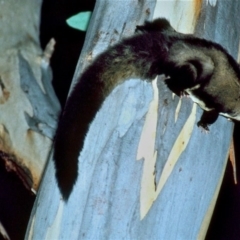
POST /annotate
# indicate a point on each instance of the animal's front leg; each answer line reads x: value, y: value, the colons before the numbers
x: 208, y: 118
x: 181, y: 77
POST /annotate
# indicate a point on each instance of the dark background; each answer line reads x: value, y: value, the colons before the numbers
x: 16, y: 202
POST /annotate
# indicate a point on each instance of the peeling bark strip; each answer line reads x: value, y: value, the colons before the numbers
x: 23, y: 173
x: 46, y: 111
x: 4, y: 232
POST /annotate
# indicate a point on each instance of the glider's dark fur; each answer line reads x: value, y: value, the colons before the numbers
x: 198, y: 67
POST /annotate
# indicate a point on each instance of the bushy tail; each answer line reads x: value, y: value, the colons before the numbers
x: 79, y: 112
x: 129, y: 59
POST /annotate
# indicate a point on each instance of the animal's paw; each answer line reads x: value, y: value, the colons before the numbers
x: 184, y: 94
x: 203, y: 126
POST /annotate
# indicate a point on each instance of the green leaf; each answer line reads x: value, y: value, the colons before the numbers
x: 79, y: 21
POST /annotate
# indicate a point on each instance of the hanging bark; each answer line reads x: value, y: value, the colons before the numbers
x: 170, y: 192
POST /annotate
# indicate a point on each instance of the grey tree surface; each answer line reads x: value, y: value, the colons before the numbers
x: 170, y: 192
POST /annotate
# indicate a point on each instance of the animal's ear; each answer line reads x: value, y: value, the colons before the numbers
x: 204, y: 67
x: 159, y: 24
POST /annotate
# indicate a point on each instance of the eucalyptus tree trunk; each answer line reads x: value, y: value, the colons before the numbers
x: 146, y: 170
